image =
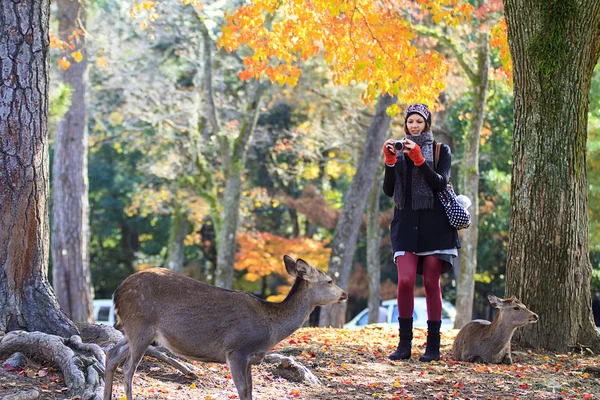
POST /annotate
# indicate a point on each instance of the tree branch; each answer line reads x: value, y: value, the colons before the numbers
x: 449, y: 44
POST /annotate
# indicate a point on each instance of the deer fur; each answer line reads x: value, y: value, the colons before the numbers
x: 207, y: 323
x: 489, y: 342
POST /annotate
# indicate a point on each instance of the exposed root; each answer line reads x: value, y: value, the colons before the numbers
x: 102, y: 335
x: 291, y: 370
x: 81, y: 369
x: 154, y: 352
x: 28, y: 395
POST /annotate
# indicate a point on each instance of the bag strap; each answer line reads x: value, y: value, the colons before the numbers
x: 436, y: 155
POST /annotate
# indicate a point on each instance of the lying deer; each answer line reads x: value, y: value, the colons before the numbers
x: 482, y: 341
x: 206, y: 323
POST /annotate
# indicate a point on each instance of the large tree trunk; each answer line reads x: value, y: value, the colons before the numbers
x: 233, y: 191
x: 554, y: 47
x: 177, y: 234
x: 70, y: 211
x: 26, y: 298
x: 373, y: 244
x: 344, y: 241
x: 470, y: 179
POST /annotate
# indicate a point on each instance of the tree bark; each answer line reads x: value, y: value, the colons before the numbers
x: 470, y: 180
x: 554, y: 47
x: 344, y: 241
x: 177, y: 234
x: 26, y: 298
x: 373, y: 243
x: 71, y: 276
x: 233, y: 190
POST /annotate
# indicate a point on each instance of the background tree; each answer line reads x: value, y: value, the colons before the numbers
x: 70, y: 212
x: 344, y: 242
x: 554, y: 47
x: 373, y: 246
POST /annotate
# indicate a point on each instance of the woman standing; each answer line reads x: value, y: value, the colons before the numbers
x: 423, y: 242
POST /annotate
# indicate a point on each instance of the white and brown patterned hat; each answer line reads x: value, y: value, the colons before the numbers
x: 418, y: 108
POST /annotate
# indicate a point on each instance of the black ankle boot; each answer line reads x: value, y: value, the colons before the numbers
x: 404, y: 346
x: 432, y: 351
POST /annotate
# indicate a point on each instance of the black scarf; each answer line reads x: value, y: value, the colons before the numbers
x: 422, y: 194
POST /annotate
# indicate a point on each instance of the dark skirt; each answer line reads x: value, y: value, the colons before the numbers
x: 446, y: 258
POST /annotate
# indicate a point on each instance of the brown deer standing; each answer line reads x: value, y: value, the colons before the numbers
x: 489, y: 342
x: 206, y: 323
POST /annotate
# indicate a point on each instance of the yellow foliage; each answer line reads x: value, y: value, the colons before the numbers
x: 311, y: 172
x: 64, y: 63
x: 115, y: 118
x: 101, y: 62
x: 77, y: 56
x: 499, y: 40
x: 362, y: 41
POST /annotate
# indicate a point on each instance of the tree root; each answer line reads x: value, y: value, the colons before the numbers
x: 28, y: 395
x: 156, y: 353
x: 291, y: 370
x: 82, y: 370
x: 81, y: 359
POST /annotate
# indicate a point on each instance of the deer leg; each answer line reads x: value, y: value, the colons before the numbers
x: 136, y: 352
x: 240, y: 372
x: 249, y: 379
x: 115, y: 356
x: 507, y: 359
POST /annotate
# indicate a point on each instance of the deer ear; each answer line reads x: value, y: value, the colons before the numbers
x: 496, y: 302
x: 290, y: 266
x: 303, y: 269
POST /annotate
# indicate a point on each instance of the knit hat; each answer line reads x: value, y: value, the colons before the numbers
x: 418, y: 108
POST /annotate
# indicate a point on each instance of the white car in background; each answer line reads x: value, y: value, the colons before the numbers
x: 104, y: 313
x: 419, y: 315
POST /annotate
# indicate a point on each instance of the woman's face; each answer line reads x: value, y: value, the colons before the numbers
x: 415, y: 124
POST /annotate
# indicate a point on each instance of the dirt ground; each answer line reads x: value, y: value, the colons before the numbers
x: 350, y: 365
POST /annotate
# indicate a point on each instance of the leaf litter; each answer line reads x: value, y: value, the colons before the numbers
x: 351, y: 364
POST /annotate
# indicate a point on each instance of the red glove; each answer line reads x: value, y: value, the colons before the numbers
x: 416, y: 156
x: 388, y: 156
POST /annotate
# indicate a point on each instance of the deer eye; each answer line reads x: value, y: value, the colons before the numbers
x: 516, y: 308
x: 330, y: 282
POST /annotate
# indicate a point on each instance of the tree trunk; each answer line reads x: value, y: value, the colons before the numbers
x: 373, y: 243
x: 554, y: 47
x: 470, y: 180
x: 70, y: 211
x: 233, y: 191
x: 344, y: 241
x: 176, y: 246
x: 26, y: 298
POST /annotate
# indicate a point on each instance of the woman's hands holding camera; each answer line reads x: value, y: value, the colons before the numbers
x: 408, y: 147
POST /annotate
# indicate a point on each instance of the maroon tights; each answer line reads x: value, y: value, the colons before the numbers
x: 407, y: 275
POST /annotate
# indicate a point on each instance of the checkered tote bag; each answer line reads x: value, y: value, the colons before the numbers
x: 458, y: 216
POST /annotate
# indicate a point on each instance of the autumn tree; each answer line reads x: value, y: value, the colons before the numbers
x: 554, y: 47
x: 70, y: 214
x: 261, y: 253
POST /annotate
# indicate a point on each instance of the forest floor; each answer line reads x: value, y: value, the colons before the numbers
x: 351, y: 365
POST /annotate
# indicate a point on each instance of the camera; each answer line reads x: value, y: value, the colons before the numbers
x: 399, y: 144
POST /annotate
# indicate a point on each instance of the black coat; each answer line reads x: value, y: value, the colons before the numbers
x: 422, y: 230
